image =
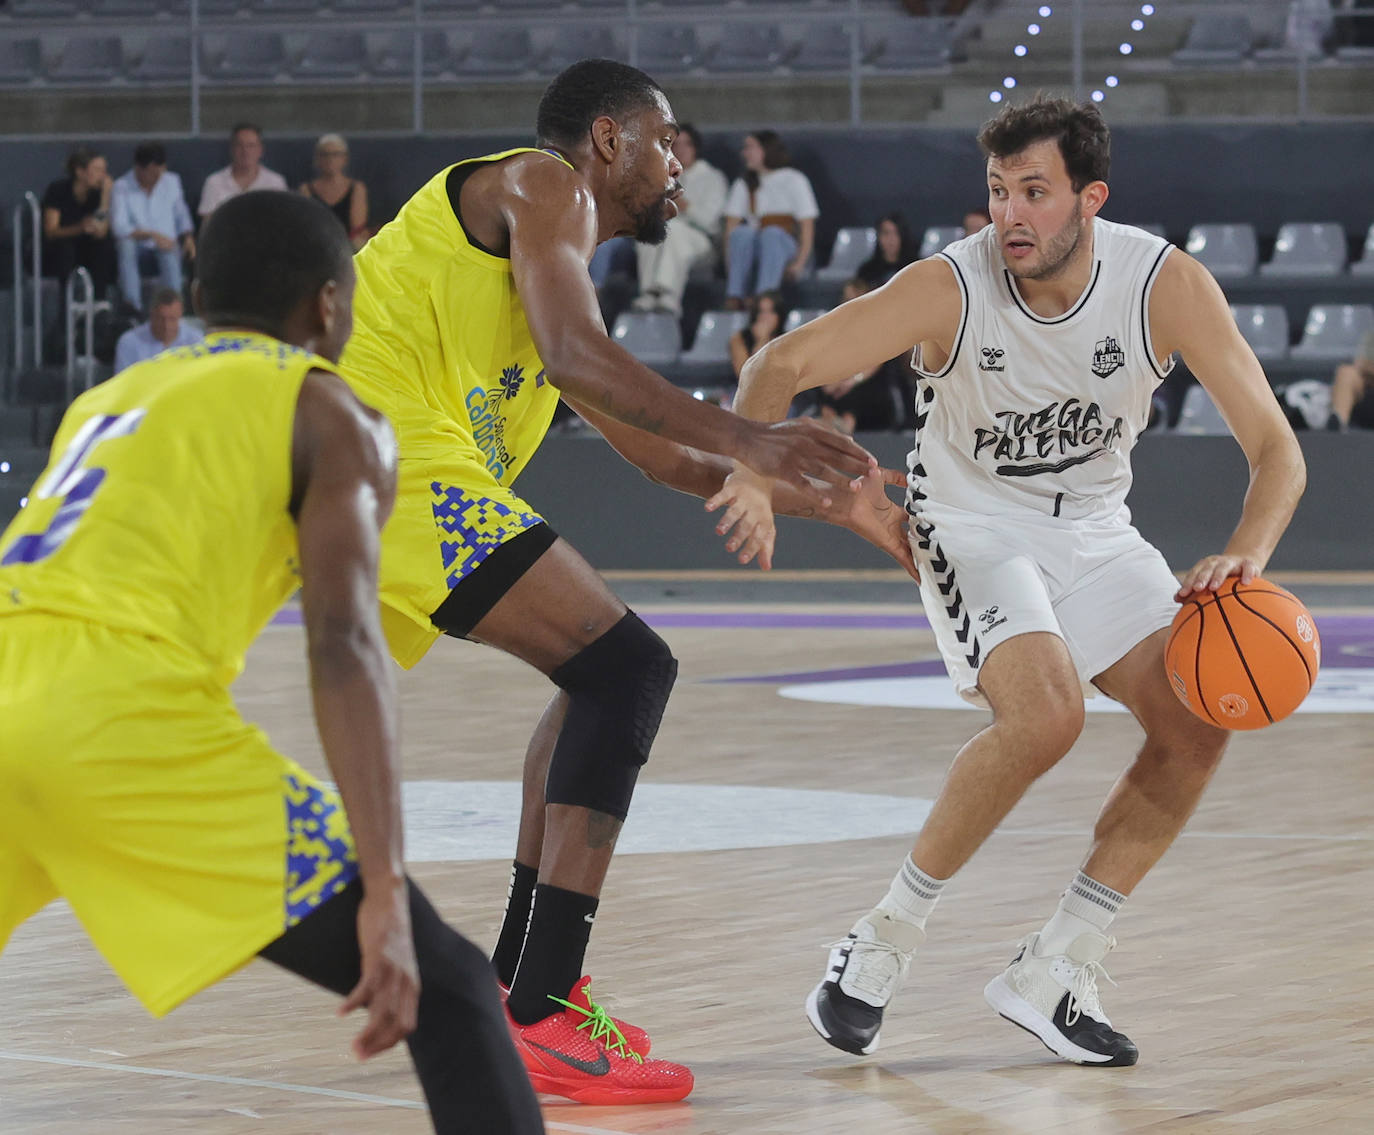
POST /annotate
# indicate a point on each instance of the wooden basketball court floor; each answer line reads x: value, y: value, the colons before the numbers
x: 1245, y: 968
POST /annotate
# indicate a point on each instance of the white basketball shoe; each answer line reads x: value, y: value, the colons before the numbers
x: 866, y: 969
x: 1054, y: 996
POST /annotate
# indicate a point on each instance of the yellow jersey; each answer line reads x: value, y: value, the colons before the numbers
x: 164, y: 509
x: 440, y: 342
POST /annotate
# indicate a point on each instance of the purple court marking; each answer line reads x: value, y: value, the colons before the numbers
x: 736, y: 620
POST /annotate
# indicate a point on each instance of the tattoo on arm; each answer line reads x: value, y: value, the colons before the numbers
x: 641, y: 419
x: 602, y: 829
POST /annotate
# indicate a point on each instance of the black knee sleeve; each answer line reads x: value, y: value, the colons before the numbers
x: 617, y: 689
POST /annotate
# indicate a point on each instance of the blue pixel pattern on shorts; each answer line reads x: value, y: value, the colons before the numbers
x: 478, y: 525
x: 320, y: 858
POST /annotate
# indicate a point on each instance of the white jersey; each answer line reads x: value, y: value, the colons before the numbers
x: 1038, y: 416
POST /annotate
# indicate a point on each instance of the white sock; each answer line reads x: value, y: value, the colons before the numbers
x: 1087, y: 906
x: 913, y: 895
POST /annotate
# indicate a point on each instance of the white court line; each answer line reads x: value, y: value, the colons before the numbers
x: 303, y: 1089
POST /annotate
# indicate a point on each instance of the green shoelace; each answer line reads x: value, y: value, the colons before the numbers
x: 604, y: 1029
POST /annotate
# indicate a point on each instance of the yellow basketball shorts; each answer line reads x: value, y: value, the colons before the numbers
x: 451, y: 514
x: 131, y: 787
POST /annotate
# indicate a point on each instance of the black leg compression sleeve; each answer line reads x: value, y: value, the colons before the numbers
x: 474, y: 1082
x: 617, y: 690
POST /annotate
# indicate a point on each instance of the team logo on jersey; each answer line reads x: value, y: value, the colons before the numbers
x: 1107, y: 357
x: 991, y: 359
x: 511, y: 378
x: 990, y: 619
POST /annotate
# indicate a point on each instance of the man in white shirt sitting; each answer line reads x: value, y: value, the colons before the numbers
x: 163, y: 331
x: 245, y: 170
x: 693, y: 235
x: 152, y: 226
x: 770, y: 221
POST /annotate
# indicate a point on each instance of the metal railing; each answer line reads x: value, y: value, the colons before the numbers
x: 29, y: 203
x: 86, y: 305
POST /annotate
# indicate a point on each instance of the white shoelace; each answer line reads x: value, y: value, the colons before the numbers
x: 1083, y: 993
x: 880, y: 967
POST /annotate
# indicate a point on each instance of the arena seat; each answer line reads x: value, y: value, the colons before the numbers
x: 381, y: 7
x: 129, y: 9
x: 912, y: 44
x: 1307, y: 250
x: 51, y: 10
x: 1364, y: 266
x: 823, y: 47
x: 710, y: 351
x: 801, y: 315
x: 1333, y: 331
x: 749, y: 47
x: 1200, y: 414
x: 248, y: 55
x: 165, y: 59
x: 851, y: 248
x: 1226, y: 250
x: 394, y: 54
x: 285, y: 7
x: 1216, y: 38
x: 21, y: 60
x: 654, y: 338
x: 938, y: 237
x: 332, y: 55
x: 669, y: 48
x: 499, y: 51
x: 89, y: 59
x: 1265, y: 328
x: 582, y: 41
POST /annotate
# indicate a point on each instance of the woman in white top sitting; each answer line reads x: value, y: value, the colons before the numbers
x: 770, y: 221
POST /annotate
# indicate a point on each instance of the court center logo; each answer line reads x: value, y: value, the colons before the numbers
x: 991, y: 359
x: 1108, y: 357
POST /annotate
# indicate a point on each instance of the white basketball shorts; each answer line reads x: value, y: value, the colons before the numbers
x: 985, y: 579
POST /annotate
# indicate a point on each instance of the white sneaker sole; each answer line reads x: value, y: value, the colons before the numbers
x: 1009, y: 1004
x: 813, y: 1015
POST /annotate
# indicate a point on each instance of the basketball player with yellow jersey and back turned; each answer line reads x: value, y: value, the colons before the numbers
x: 475, y: 314
x: 186, y: 499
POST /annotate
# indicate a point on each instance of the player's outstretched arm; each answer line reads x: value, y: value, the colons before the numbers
x: 1189, y: 314
x: 551, y: 218
x: 344, y: 483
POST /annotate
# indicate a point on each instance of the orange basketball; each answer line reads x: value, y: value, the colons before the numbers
x: 1244, y: 656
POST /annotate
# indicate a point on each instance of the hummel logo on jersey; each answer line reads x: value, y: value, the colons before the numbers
x: 992, y: 359
x: 1107, y: 357
x: 989, y: 618
x: 601, y: 1066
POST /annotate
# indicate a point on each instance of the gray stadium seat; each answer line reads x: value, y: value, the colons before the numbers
x: 379, y: 7
x: 749, y: 47
x: 1364, y: 266
x: 394, y: 56
x: 128, y: 9
x: 668, y: 49
x: 851, y: 248
x: 332, y: 55
x: 582, y: 41
x: 1200, y: 414
x: 499, y: 51
x: 1307, y: 250
x: 710, y: 351
x: 89, y: 59
x: 914, y: 44
x: 248, y: 55
x: 165, y: 59
x: 1216, y: 38
x: 285, y: 7
x: 800, y: 315
x: 938, y: 237
x: 21, y: 60
x: 1333, y: 331
x: 1226, y: 251
x: 824, y: 47
x: 1265, y: 327
x: 44, y: 9
x: 654, y: 338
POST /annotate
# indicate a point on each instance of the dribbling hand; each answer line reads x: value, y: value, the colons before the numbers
x: 1207, y: 574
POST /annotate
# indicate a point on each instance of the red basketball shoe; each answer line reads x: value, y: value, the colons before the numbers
x: 581, y: 1055
x: 635, y: 1037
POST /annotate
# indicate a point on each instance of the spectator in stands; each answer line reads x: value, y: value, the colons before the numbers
x: 76, y: 221
x: 344, y: 196
x: 976, y: 220
x: 163, y: 331
x: 151, y: 223
x: 693, y: 235
x: 770, y: 221
x: 896, y: 249
x: 245, y: 170
x: 766, y: 316
x: 1352, y: 390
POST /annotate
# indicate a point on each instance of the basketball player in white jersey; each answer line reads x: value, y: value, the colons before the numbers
x: 1040, y: 340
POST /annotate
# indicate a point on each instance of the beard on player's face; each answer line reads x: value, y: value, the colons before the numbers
x: 650, y: 222
x: 1055, y: 251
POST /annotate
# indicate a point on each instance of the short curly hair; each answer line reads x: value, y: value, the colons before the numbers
x: 584, y: 92
x: 1082, y: 134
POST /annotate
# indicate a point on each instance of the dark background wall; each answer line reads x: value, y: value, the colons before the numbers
x: 1176, y: 175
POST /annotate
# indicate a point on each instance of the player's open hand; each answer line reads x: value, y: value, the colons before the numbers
x: 747, y: 523
x: 871, y: 513
x: 798, y: 449
x: 1208, y: 573
x: 390, y: 983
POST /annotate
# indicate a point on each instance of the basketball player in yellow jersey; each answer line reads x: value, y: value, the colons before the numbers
x: 475, y: 314
x: 185, y: 500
